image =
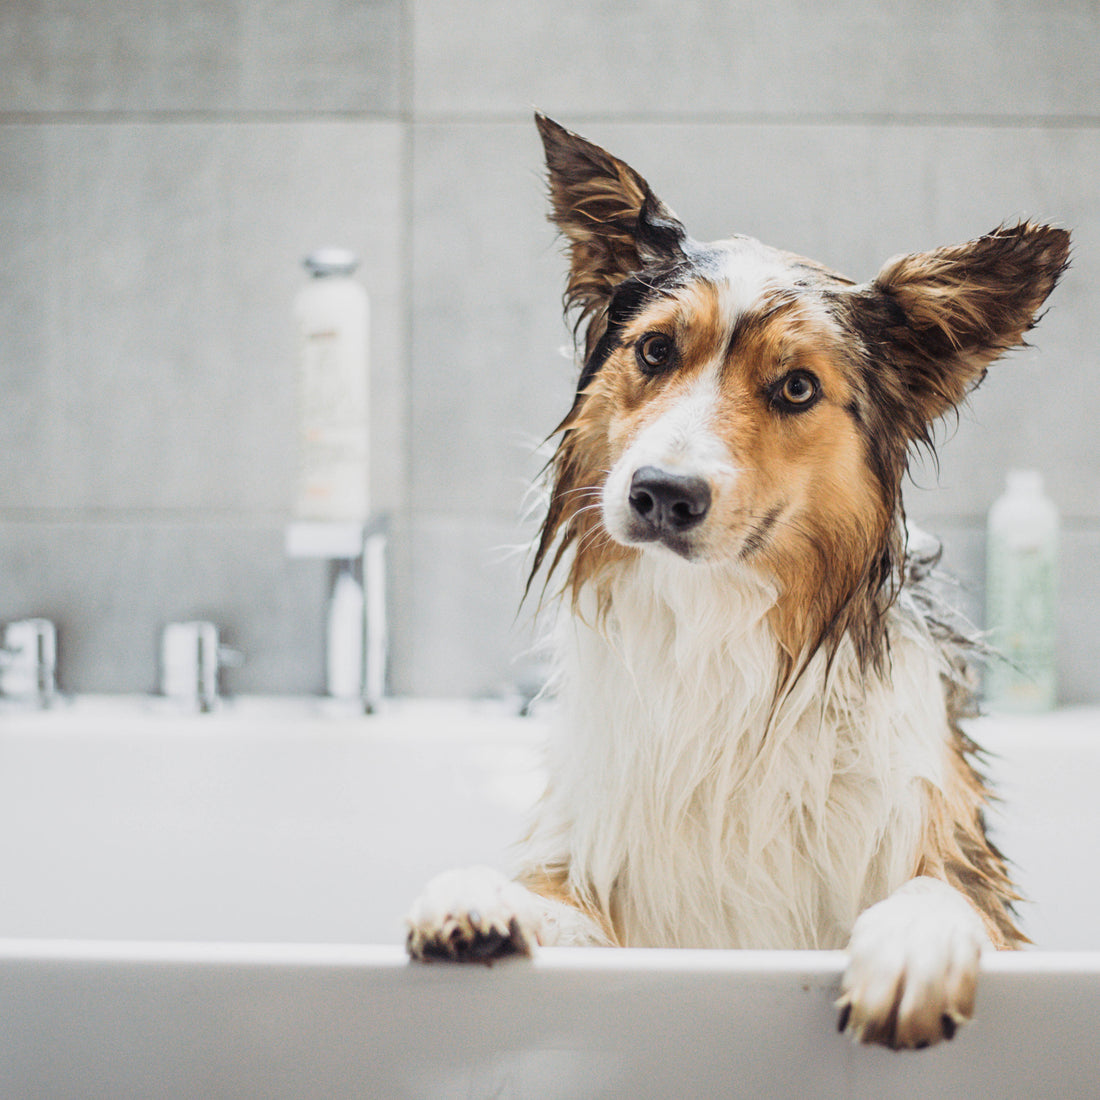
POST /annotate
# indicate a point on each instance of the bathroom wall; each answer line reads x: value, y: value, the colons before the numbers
x: 163, y: 167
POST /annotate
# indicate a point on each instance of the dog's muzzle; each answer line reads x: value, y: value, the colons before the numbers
x: 665, y: 506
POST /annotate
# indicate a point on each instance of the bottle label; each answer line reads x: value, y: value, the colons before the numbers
x: 1022, y: 597
x: 333, y: 434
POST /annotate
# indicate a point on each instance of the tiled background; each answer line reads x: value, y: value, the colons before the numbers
x: 163, y: 167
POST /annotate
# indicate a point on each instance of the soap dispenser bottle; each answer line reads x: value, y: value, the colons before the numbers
x: 1022, y: 596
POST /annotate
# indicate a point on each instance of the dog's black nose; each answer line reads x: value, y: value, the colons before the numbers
x: 668, y: 503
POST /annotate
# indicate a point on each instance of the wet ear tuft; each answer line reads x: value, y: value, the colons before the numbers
x: 613, y: 222
x: 950, y: 312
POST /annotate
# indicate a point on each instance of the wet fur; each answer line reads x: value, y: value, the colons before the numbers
x: 760, y: 737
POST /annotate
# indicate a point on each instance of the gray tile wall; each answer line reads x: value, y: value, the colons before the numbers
x: 163, y: 167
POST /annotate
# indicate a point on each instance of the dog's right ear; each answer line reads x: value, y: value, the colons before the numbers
x: 614, y: 223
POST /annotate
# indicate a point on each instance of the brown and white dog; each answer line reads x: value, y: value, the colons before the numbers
x: 759, y: 744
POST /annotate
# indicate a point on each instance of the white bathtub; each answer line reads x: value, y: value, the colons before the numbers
x: 210, y: 906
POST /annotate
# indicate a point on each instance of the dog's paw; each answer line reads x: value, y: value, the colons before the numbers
x: 913, y: 967
x: 471, y: 915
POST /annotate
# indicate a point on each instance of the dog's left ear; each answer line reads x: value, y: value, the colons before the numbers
x: 614, y: 223
x: 943, y: 316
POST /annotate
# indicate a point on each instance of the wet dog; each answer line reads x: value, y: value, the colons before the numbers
x: 759, y: 743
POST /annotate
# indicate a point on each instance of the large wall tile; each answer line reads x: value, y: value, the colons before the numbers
x: 865, y: 57
x: 1079, y: 623
x: 488, y: 379
x: 112, y: 586
x: 462, y: 629
x: 466, y: 628
x: 200, y: 55
x: 163, y: 377
x: 25, y: 334
x: 964, y: 546
x: 290, y: 189
x: 1034, y: 409
x: 62, y: 55
x: 321, y: 55
x: 487, y: 284
x: 488, y: 279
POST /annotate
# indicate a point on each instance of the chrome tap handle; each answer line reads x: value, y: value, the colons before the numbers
x: 28, y: 661
x: 190, y: 660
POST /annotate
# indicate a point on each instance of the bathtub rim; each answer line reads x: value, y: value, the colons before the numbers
x: 279, y: 1021
x: 597, y: 960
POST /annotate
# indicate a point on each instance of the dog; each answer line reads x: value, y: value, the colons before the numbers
x: 759, y: 743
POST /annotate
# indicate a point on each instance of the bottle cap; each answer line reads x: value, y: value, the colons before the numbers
x: 330, y: 261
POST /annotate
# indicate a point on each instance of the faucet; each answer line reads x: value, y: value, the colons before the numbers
x: 28, y: 662
x: 356, y: 626
x: 191, y: 657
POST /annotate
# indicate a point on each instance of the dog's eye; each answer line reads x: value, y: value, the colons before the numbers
x: 799, y: 388
x: 795, y: 392
x: 654, y: 352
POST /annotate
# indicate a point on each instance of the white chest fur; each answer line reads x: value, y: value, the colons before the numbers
x: 694, y: 814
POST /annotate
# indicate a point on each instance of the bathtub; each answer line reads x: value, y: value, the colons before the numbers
x: 210, y: 906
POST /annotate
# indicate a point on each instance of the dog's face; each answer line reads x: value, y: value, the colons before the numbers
x: 731, y: 409
x: 741, y: 404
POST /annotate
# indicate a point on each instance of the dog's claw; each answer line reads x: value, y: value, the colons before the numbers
x: 913, y: 967
x: 468, y: 916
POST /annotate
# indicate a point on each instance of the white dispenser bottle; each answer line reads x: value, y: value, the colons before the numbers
x: 332, y: 316
x: 1022, y: 596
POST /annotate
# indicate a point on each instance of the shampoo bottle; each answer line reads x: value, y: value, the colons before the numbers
x: 1022, y: 596
x: 332, y: 316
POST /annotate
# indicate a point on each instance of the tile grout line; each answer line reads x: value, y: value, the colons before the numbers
x: 408, y: 113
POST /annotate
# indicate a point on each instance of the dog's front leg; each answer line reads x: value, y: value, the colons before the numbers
x: 476, y: 914
x: 913, y: 967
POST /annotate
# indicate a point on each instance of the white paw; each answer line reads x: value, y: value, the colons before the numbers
x: 913, y: 967
x: 472, y: 915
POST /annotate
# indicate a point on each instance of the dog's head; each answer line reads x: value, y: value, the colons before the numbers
x: 740, y: 404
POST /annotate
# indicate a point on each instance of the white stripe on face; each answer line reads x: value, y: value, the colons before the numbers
x: 681, y: 440
x: 746, y: 269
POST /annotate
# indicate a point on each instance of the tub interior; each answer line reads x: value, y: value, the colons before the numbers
x: 273, y: 822
x: 212, y: 905
x: 267, y: 822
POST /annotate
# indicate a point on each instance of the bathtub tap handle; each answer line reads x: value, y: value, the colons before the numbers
x: 191, y: 658
x: 229, y: 657
x: 28, y: 662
